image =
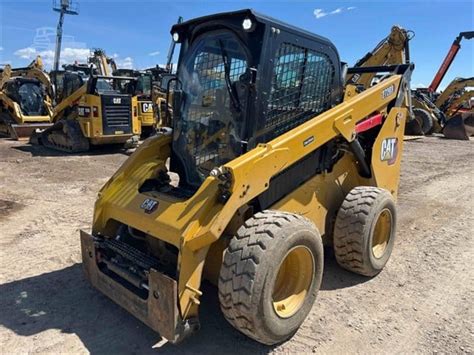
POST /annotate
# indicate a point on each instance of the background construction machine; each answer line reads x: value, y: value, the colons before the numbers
x: 104, y: 65
x: 453, y: 121
x: 275, y: 154
x: 392, y: 50
x: 143, y: 92
x: 91, y: 109
x: 25, y: 100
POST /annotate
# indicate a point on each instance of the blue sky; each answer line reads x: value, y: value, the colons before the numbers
x: 137, y: 33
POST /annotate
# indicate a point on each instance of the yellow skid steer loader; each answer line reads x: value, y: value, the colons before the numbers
x: 275, y: 155
x: 25, y: 100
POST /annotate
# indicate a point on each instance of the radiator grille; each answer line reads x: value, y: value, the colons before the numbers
x: 116, y: 114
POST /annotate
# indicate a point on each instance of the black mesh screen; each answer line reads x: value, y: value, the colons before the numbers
x: 209, y: 146
x: 300, y: 87
x: 208, y: 134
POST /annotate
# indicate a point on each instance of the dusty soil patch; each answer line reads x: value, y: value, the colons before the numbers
x: 422, y: 301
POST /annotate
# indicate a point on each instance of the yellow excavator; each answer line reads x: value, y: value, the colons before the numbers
x: 274, y: 155
x: 25, y: 100
x: 451, y: 109
x: 91, y: 110
x: 392, y: 50
x: 455, y: 122
x: 456, y: 103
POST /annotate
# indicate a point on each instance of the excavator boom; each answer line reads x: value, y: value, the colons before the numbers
x: 448, y: 60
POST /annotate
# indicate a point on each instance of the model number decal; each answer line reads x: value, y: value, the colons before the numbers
x: 389, y: 150
x: 149, y: 205
x: 83, y: 111
x: 388, y: 91
x: 308, y: 140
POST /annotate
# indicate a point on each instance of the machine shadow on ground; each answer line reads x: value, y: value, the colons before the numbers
x: 64, y: 300
x: 41, y: 151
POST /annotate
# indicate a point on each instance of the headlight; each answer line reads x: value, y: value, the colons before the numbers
x: 247, y: 24
x: 176, y: 37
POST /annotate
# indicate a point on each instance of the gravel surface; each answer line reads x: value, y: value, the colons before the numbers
x: 422, y: 302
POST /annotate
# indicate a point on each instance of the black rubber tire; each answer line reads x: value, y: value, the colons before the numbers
x: 425, y: 120
x: 250, y: 267
x: 354, y: 227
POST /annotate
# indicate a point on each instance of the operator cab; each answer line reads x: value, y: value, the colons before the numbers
x: 29, y: 93
x: 74, y: 76
x: 243, y: 79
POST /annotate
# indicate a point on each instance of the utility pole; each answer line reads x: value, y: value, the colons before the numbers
x: 64, y: 7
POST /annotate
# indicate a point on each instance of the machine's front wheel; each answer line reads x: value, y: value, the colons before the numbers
x: 270, y: 276
x: 425, y: 120
x: 364, y: 232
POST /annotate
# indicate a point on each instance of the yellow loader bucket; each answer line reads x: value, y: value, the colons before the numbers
x: 460, y: 126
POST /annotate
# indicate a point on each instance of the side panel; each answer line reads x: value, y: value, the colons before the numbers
x: 387, y: 151
x: 319, y: 198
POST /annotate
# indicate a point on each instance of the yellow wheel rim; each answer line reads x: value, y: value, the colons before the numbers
x: 382, y: 233
x: 293, y: 281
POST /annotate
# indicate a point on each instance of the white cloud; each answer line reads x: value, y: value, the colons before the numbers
x: 68, y: 55
x: 154, y: 53
x: 319, y: 13
x: 26, y: 53
x: 1, y: 48
x: 125, y: 63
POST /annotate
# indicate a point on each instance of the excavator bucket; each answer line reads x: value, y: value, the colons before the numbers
x: 24, y: 131
x: 460, y: 126
x: 414, y: 126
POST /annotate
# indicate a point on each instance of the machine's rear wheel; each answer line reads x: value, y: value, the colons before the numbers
x: 364, y: 232
x: 425, y: 120
x: 271, y: 275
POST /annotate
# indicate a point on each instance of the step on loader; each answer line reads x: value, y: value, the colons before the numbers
x: 272, y: 156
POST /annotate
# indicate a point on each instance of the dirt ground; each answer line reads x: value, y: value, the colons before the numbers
x: 422, y: 302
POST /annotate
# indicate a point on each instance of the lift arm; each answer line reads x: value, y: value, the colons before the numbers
x: 105, y: 65
x: 453, y: 51
x: 392, y: 50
